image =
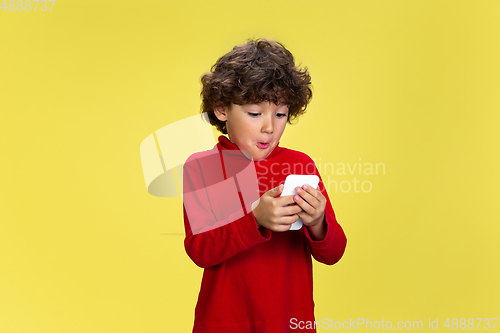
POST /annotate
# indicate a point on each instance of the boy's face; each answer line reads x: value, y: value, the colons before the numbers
x: 254, y: 128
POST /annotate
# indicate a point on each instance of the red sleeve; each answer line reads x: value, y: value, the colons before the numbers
x: 329, y: 250
x: 211, y: 240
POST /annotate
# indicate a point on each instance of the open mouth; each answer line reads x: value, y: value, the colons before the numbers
x: 263, y: 145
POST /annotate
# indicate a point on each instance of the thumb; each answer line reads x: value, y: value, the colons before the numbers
x: 275, y: 192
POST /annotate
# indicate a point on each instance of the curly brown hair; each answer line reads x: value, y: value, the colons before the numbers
x: 257, y: 71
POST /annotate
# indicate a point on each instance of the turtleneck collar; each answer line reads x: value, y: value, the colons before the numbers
x: 225, y: 144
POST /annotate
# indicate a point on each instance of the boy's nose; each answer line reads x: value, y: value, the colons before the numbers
x: 267, y: 126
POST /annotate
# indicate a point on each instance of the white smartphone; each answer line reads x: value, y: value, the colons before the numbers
x: 293, y: 181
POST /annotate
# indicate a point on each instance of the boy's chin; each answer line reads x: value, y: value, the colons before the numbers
x: 254, y: 158
x: 260, y: 158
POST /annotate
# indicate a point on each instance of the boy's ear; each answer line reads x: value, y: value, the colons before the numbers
x: 221, y: 113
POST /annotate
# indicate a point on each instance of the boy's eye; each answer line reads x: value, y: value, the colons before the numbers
x: 256, y: 114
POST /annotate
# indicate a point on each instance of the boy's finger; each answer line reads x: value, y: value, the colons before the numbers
x: 313, y: 191
x: 316, y: 193
x: 288, y: 219
x: 291, y: 210
x: 306, y: 206
x: 282, y: 227
x: 306, y: 218
x: 274, y: 192
x: 285, y: 200
x: 307, y: 195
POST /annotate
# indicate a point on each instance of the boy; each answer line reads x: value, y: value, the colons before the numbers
x: 257, y: 273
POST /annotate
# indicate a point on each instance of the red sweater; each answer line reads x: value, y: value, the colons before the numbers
x: 253, y: 280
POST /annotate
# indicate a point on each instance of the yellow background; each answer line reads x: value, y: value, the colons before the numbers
x: 411, y: 84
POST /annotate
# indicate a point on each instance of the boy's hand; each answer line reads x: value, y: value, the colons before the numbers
x: 270, y: 211
x: 313, y: 204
